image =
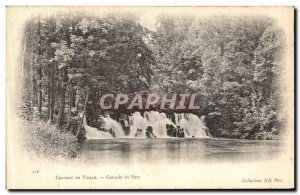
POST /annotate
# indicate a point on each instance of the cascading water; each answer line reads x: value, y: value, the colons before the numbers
x: 158, y: 121
x: 93, y: 133
x: 110, y: 123
x: 136, y: 121
x: 193, y: 125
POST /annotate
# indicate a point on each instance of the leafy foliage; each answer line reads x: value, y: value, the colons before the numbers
x: 231, y: 63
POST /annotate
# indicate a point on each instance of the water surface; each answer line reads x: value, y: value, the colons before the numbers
x: 176, y: 150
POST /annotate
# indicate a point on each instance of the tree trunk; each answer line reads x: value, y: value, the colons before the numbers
x: 62, y: 98
x: 71, y: 94
x: 51, y: 80
x: 31, y: 77
x: 83, y: 112
x: 39, y: 71
x: 40, y: 95
x: 72, y: 97
x: 65, y: 78
x: 51, y: 93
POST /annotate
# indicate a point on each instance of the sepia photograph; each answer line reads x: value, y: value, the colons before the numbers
x: 150, y: 97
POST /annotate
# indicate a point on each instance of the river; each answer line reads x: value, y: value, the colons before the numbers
x: 176, y: 150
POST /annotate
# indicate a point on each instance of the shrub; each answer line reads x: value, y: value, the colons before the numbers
x: 263, y: 135
x: 47, y: 140
x: 25, y: 111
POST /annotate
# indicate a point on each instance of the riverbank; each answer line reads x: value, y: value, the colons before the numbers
x: 48, y: 140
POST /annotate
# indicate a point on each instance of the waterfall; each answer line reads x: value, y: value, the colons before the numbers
x: 193, y: 125
x: 155, y: 119
x: 136, y: 121
x: 158, y: 121
x: 110, y: 123
x: 94, y: 133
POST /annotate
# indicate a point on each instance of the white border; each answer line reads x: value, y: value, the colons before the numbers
x: 5, y: 3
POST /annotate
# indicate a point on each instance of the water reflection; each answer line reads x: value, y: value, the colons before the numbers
x: 177, y: 150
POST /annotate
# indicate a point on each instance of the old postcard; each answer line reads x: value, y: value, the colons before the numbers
x: 150, y: 98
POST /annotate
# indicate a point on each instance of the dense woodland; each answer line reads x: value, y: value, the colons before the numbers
x: 233, y: 64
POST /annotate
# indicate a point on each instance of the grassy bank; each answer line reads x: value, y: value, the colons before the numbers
x: 47, y: 140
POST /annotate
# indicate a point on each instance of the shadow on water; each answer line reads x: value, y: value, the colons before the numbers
x: 122, y: 151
